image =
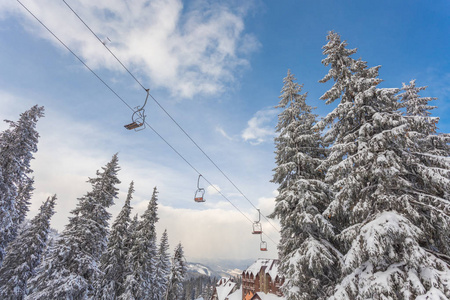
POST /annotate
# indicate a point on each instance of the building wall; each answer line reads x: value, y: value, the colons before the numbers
x: 262, y: 282
x: 248, y: 284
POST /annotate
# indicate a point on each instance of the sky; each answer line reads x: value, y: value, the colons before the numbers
x: 217, y: 68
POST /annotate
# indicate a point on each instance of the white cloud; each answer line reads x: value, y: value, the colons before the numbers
x: 213, y: 189
x: 189, y: 52
x: 223, y: 133
x: 260, y: 127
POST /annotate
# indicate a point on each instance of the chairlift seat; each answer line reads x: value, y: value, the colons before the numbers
x: 132, y: 125
x: 199, y: 199
x: 263, y: 246
x: 257, y: 228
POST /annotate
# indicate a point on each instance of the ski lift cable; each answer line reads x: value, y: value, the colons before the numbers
x: 124, y: 102
x: 210, y: 159
x: 168, y: 114
x: 104, y: 44
x: 73, y: 53
x: 206, y: 179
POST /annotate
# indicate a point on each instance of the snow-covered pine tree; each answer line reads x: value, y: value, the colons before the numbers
x: 17, y: 145
x: 307, y: 261
x: 71, y: 268
x: 376, y: 227
x: 416, y: 105
x: 177, y: 275
x: 131, y: 235
x: 208, y: 290
x: 162, y: 267
x: 140, y: 282
x: 113, y: 261
x: 24, y: 193
x: 427, y: 157
x: 24, y: 254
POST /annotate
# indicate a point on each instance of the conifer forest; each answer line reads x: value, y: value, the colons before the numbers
x: 363, y: 202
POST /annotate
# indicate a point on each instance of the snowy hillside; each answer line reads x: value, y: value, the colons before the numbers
x: 197, y: 269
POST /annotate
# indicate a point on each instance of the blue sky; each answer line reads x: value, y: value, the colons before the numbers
x: 217, y: 67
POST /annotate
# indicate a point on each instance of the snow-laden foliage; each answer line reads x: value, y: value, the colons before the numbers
x: 426, y: 156
x: 384, y: 182
x: 162, y: 267
x: 201, y: 287
x: 415, y: 105
x: 17, y: 145
x: 385, y: 261
x: 140, y: 282
x: 24, y: 193
x: 72, y: 265
x: 307, y: 261
x: 24, y: 254
x: 177, y: 275
x: 113, y: 261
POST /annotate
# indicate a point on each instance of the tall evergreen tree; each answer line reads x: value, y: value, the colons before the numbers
x: 130, y: 237
x: 71, y: 268
x: 306, y: 260
x: 162, y: 267
x: 17, y: 145
x: 24, y: 254
x: 113, y: 261
x: 416, y: 105
x: 381, y: 243
x: 426, y: 156
x: 22, y: 203
x: 140, y: 283
x: 177, y: 275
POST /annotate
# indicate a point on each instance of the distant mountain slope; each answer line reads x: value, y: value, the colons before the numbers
x: 198, y: 269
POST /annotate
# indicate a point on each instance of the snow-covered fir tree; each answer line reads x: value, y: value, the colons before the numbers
x: 416, y: 105
x: 307, y: 261
x: 130, y: 237
x: 177, y: 275
x: 200, y: 287
x: 72, y: 265
x: 426, y: 155
x: 162, y: 267
x: 377, y: 226
x: 24, y: 254
x: 17, y: 145
x: 140, y: 283
x: 22, y: 203
x: 113, y: 261
x: 208, y: 290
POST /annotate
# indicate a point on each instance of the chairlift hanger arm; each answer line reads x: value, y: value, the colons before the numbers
x: 146, y: 98
x: 138, y: 116
x: 198, y: 181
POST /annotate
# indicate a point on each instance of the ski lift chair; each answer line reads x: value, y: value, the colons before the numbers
x: 138, y: 117
x: 257, y: 227
x: 199, y: 195
x: 263, y: 246
x: 200, y: 192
